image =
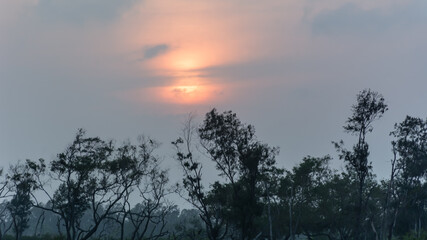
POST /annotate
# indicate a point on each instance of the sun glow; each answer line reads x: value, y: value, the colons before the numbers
x: 188, y: 86
x: 185, y: 64
x: 195, y: 43
x: 185, y: 89
x: 187, y: 94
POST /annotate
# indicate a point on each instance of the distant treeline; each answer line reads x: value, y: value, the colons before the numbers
x: 98, y: 190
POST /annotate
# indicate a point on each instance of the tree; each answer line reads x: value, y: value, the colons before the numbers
x: 189, y: 226
x: 212, y: 213
x: 241, y: 160
x: 5, y: 223
x: 337, y: 206
x: 303, y: 194
x: 370, y: 107
x: 4, y: 190
x: 21, y: 183
x: 410, y: 144
x: 93, y: 177
x: 269, y: 196
x: 147, y: 217
x: 391, y: 202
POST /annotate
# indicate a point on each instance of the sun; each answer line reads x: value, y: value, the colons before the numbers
x: 185, y: 94
x: 188, y: 85
x: 185, y: 64
x: 185, y: 90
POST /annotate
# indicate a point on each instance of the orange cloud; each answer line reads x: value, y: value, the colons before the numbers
x: 201, y: 35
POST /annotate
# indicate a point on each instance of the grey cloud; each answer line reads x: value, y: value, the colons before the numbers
x: 154, y: 51
x: 81, y: 11
x: 260, y: 69
x: 351, y: 19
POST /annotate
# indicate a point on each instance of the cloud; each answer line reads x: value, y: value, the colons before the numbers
x: 269, y: 69
x: 154, y: 51
x: 353, y: 19
x: 349, y: 19
x: 81, y: 11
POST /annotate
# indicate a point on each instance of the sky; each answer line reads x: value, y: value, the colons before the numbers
x: 123, y: 68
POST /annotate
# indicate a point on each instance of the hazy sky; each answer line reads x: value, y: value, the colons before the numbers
x: 122, y: 68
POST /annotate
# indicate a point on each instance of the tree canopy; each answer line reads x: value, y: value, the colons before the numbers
x: 97, y: 189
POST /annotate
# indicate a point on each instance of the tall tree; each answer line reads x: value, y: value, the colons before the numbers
x: 370, y: 106
x: 212, y: 210
x: 242, y: 160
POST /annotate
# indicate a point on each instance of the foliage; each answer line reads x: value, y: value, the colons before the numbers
x: 411, y: 190
x: 243, y: 161
x: 370, y: 106
x: 415, y: 236
x: 21, y: 183
x: 212, y: 213
x: 98, y: 190
x: 95, y: 177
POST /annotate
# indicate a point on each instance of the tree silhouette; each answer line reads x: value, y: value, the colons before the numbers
x: 148, y: 182
x: 212, y: 213
x: 93, y: 176
x: 241, y: 160
x: 21, y: 183
x: 410, y: 145
x: 370, y: 106
x: 5, y: 223
x: 98, y: 190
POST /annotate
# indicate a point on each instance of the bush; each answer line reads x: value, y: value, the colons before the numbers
x: 413, y: 236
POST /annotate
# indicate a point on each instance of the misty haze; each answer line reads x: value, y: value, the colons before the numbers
x: 213, y: 120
